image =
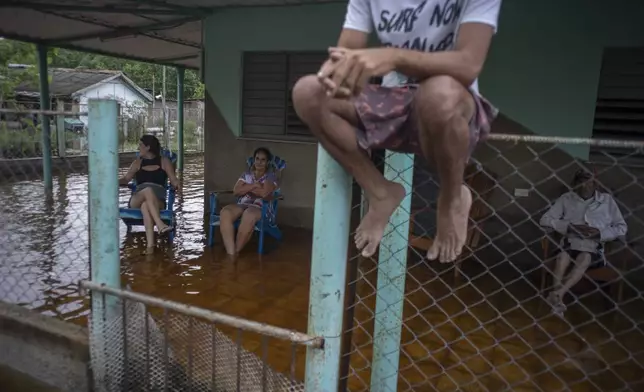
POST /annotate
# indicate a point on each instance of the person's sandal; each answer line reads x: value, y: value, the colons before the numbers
x: 165, y: 230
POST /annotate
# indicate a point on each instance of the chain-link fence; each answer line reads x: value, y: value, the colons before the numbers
x: 139, y: 342
x: 193, y: 124
x: 70, y: 90
x: 43, y: 205
x: 489, y: 321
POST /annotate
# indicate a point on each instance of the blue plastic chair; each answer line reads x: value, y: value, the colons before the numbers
x: 267, y: 223
x: 134, y: 217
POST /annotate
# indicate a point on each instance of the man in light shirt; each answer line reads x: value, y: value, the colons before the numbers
x: 429, y: 104
x: 587, y: 219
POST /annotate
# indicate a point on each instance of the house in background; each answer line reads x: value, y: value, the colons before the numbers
x: 70, y: 89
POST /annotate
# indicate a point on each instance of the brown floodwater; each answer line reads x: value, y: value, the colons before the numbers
x: 44, y: 253
x: 44, y: 242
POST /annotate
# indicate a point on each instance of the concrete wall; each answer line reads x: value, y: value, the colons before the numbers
x: 544, y: 65
x: 542, y: 72
x: 49, y: 351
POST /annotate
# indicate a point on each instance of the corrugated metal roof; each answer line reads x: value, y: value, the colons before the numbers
x: 66, y: 82
x: 163, y: 32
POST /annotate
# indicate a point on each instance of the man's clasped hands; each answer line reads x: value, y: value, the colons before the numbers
x: 348, y: 71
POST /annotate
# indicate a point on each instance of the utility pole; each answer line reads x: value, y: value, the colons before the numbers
x: 166, y: 128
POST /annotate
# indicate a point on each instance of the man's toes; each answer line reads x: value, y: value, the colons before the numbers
x: 361, y: 241
x: 370, y: 248
x: 447, y: 255
x: 458, y: 250
x: 433, y: 252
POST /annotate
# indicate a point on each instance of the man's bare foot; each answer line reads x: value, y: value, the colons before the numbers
x: 372, y: 227
x: 452, y: 227
x: 555, y: 299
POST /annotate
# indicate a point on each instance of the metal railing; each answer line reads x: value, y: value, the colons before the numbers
x: 147, y: 343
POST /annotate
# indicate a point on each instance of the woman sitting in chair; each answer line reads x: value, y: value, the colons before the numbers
x: 251, y: 189
x: 151, y: 172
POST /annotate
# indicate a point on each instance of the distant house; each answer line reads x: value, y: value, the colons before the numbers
x: 70, y: 89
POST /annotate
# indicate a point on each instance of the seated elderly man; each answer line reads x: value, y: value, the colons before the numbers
x: 587, y: 219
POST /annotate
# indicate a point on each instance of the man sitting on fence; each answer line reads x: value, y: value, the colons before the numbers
x: 586, y: 218
x: 428, y: 103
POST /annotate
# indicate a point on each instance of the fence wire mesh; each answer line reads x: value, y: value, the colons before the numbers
x: 484, y: 322
x: 137, y: 346
x: 71, y: 90
x: 44, y: 244
x: 43, y: 233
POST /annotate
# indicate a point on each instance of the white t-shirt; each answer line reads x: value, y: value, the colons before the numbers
x: 425, y: 25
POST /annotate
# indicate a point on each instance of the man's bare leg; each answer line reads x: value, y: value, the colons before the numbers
x: 333, y: 122
x: 581, y: 265
x: 561, y: 266
x: 443, y: 110
x: 554, y: 298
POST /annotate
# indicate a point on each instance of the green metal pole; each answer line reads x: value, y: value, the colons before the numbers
x: 392, y: 270
x: 103, y: 160
x: 328, y: 272
x: 180, y: 146
x: 45, y: 101
x: 105, y: 261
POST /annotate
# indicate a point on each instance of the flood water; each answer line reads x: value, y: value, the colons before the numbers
x: 44, y: 253
x: 44, y: 244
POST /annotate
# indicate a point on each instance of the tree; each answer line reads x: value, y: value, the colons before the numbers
x: 147, y: 76
x: 14, y: 52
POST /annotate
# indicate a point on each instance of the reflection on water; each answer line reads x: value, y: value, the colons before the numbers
x: 44, y: 253
x: 44, y: 241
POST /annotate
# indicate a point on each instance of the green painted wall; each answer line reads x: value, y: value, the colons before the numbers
x: 229, y: 33
x: 542, y: 71
x: 544, y: 65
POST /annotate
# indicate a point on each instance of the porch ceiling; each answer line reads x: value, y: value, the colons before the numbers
x: 158, y: 31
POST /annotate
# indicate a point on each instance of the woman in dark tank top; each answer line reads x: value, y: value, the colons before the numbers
x: 151, y: 172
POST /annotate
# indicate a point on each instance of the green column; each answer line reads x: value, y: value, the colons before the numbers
x: 180, y: 146
x: 45, y: 101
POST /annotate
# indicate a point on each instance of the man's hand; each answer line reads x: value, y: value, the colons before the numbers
x: 341, y: 92
x: 586, y: 231
x: 348, y: 71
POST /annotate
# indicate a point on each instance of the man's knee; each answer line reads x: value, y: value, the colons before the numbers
x: 442, y: 98
x: 308, y: 94
x: 563, y: 255
x: 583, y: 258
